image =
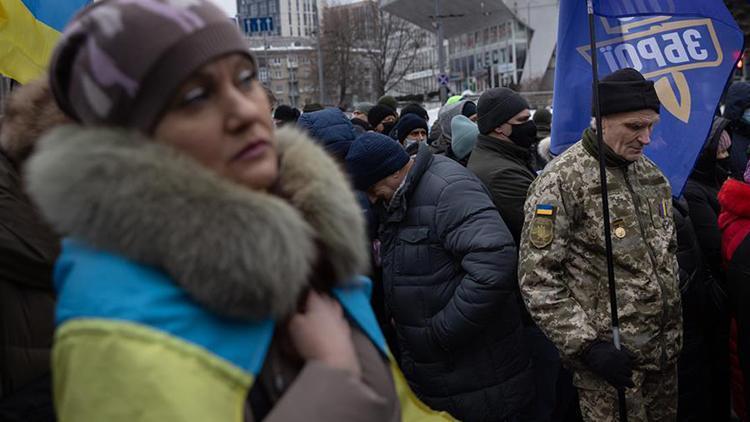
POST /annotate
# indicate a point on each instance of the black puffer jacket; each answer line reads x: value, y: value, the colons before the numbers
x: 693, y: 368
x: 449, y: 266
x: 701, y: 192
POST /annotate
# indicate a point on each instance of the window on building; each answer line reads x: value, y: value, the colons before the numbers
x: 279, y: 88
x: 272, y: 7
x: 253, y: 10
x: 263, y: 9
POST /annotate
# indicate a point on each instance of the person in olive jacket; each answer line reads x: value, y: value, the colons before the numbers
x: 449, y: 273
x: 502, y: 155
x: 503, y: 161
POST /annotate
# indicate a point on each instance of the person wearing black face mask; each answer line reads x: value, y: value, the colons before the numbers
x: 701, y: 192
x: 502, y: 159
x: 502, y: 155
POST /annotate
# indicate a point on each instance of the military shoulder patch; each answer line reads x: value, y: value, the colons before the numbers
x: 542, y: 229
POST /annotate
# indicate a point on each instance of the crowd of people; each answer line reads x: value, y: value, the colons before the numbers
x: 176, y: 247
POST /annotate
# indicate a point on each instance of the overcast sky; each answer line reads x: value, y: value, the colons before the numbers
x: 230, y: 6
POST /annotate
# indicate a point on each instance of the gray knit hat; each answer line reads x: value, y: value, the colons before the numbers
x: 119, y: 62
x: 496, y: 106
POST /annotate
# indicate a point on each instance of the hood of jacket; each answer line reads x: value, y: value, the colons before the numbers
x: 239, y: 252
x: 446, y: 115
x: 737, y: 100
x: 734, y: 198
x: 331, y: 129
x: 707, y: 168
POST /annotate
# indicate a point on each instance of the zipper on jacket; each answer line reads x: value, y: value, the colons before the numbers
x: 637, y: 203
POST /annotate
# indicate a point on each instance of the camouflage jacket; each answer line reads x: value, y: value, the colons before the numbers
x: 563, y: 270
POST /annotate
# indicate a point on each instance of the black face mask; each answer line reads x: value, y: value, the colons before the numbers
x: 524, y: 134
x: 388, y: 128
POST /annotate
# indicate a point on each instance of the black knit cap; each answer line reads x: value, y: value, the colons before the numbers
x: 417, y: 109
x: 378, y: 113
x: 626, y: 90
x: 497, y: 106
x: 409, y: 123
x: 286, y: 114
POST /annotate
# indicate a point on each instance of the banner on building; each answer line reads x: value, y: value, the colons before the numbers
x: 687, y: 47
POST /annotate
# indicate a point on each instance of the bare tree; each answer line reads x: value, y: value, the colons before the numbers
x: 392, y: 51
x: 337, y: 41
x: 360, y: 41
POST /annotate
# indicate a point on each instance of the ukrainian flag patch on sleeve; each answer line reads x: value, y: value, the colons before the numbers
x: 545, y: 210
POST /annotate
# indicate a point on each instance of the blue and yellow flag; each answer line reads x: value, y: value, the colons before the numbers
x: 28, y: 32
x: 687, y: 47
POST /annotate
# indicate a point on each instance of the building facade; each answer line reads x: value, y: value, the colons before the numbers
x: 288, y: 67
x: 488, y: 57
x: 288, y: 18
x: 421, y: 78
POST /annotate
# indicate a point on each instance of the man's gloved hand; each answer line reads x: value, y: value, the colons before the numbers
x: 615, y: 366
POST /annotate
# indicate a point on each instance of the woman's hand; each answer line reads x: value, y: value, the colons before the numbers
x: 322, y: 333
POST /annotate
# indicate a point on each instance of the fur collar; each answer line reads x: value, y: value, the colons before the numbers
x: 30, y: 112
x: 238, y: 252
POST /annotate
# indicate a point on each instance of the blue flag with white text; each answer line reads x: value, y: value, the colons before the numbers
x: 687, y: 47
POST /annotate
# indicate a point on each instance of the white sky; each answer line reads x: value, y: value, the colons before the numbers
x: 229, y: 6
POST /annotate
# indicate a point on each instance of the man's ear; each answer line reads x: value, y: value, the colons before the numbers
x: 499, y: 131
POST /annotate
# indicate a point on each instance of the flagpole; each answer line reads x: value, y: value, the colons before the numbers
x: 605, y: 204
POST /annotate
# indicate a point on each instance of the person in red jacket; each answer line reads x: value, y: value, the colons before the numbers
x: 734, y: 222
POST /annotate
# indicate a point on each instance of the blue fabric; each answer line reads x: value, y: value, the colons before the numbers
x: 689, y: 47
x: 97, y: 284
x: 331, y: 129
x: 355, y: 300
x: 55, y: 14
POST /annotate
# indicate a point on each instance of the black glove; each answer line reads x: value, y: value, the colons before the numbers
x: 615, y: 366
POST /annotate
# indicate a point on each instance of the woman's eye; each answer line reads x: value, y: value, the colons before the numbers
x: 194, y: 96
x: 246, y: 78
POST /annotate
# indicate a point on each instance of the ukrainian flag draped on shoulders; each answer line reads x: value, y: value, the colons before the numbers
x: 687, y: 47
x: 28, y: 32
x: 126, y: 330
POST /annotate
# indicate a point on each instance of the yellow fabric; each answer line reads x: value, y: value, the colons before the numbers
x: 25, y: 43
x: 135, y: 373
x: 412, y: 409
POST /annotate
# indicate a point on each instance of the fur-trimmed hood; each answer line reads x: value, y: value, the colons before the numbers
x: 31, y: 111
x: 239, y: 252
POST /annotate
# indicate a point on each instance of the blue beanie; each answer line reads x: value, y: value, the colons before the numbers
x: 465, y: 133
x: 408, y: 123
x: 373, y: 157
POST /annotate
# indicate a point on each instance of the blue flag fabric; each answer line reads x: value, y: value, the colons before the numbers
x: 687, y: 47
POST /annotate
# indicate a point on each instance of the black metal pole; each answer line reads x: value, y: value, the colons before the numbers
x: 605, y: 204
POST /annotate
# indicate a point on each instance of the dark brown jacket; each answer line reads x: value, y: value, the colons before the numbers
x: 27, y: 252
x: 28, y: 247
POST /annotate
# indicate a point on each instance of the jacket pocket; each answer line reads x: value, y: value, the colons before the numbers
x: 413, y: 251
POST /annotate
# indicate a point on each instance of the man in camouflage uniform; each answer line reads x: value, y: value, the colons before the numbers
x: 563, y: 270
